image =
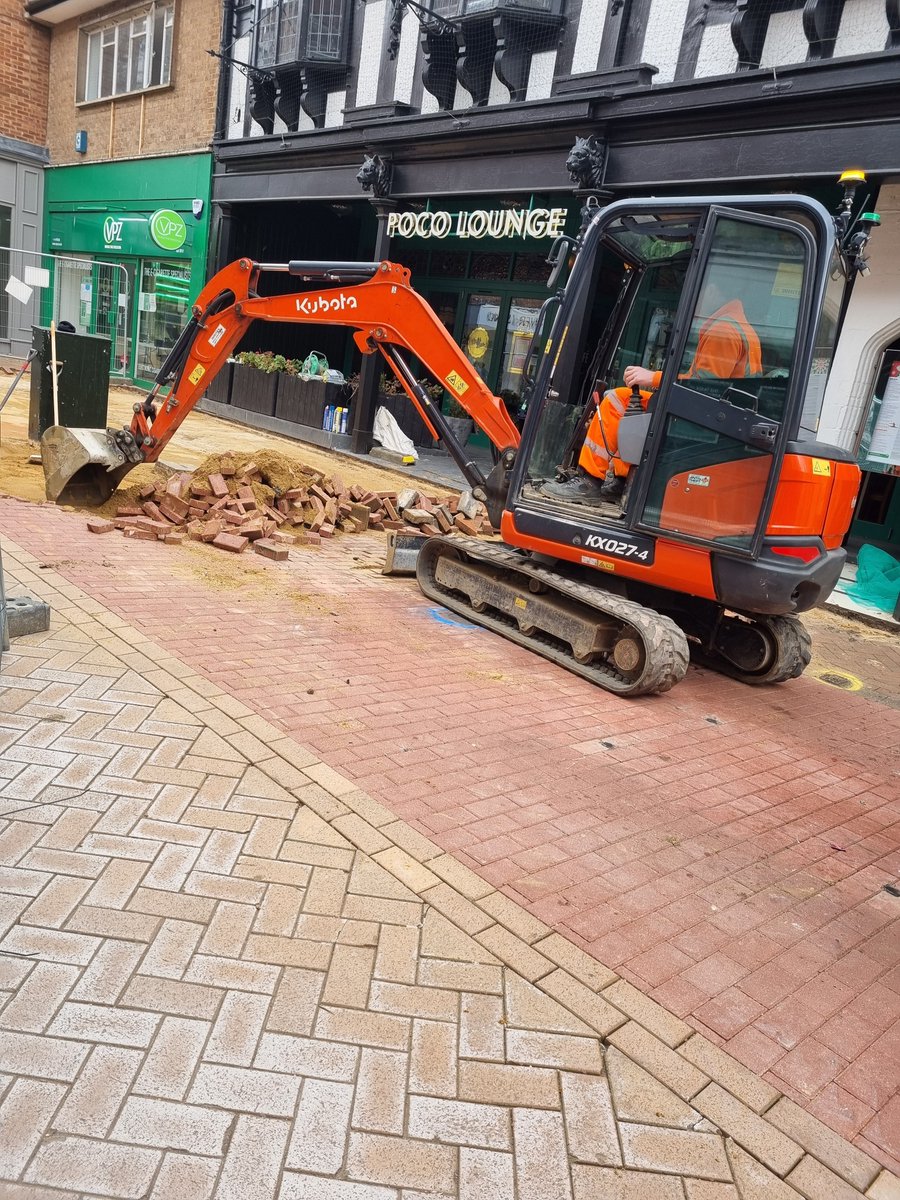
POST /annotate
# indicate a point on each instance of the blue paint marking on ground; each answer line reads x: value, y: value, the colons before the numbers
x: 445, y: 617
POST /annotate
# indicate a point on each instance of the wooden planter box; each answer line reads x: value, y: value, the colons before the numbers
x: 219, y: 388
x: 253, y: 390
x: 303, y: 401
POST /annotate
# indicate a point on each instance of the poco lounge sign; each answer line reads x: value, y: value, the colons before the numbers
x: 480, y: 223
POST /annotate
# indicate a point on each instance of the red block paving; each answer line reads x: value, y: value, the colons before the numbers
x: 724, y: 849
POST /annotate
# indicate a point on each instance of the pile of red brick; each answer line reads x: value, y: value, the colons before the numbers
x: 234, y: 508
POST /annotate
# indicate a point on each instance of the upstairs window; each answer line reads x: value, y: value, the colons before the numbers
x: 290, y: 32
x: 131, y: 54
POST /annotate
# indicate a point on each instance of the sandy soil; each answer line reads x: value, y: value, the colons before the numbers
x: 200, y: 436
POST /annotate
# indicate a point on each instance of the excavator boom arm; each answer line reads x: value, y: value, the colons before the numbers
x: 383, y: 310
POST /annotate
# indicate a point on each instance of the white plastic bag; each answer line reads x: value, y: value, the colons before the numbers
x: 388, y: 432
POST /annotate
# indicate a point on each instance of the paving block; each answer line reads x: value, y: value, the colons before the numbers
x: 25, y: 615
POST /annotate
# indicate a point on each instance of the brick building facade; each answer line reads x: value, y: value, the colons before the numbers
x: 24, y: 69
x: 132, y: 102
x: 172, y: 117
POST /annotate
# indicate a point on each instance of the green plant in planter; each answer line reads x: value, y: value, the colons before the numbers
x: 453, y: 408
x: 263, y: 360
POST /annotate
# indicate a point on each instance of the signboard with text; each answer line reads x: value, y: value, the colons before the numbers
x: 494, y: 223
x: 164, y: 232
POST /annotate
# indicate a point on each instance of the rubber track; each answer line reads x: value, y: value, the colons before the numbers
x: 794, y: 651
x: 665, y: 645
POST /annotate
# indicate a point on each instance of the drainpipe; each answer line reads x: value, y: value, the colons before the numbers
x: 223, y: 88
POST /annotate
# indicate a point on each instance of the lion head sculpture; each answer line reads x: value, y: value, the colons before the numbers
x: 586, y: 161
x: 374, y: 175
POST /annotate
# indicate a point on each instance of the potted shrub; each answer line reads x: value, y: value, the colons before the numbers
x: 254, y: 381
x: 458, y: 420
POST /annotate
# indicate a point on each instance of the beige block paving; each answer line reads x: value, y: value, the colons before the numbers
x: 216, y: 993
x: 321, y: 1127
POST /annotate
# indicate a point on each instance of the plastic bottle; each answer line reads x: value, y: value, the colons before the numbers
x: 344, y: 415
x: 328, y: 419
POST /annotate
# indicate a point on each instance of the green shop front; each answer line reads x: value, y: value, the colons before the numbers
x: 127, y: 245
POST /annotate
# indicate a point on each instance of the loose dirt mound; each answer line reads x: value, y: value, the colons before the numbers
x: 277, y: 472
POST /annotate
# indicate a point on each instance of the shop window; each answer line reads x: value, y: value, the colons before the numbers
x: 530, y: 268
x: 448, y: 263
x: 415, y: 260
x: 163, y: 303
x: 130, y: 54
x: 490, y: 266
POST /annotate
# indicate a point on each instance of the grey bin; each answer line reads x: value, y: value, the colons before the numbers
x: 83, y: 374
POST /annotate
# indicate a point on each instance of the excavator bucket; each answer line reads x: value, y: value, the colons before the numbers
x: 402, y: 552
x: 81, y: 466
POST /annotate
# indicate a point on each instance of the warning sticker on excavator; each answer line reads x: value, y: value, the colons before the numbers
x: 458, y: 384
x: 520, y: 603
x: 197, y: 374
x: 821, y: 466
x: 597, y: 562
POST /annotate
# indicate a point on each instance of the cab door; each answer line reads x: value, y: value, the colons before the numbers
x: 721, y: 415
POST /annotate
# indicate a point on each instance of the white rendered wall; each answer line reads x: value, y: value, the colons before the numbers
x: 590, y: 34
x: 540, y: 75
x: 370, y: 53
x: 717, y: 53
x: 864, y: 28
x: 238, y: 90
x: 499, y: 93
x: 663, y: 37
x: 334, y: 109
x: 872, y: 321
x: 461, y: 98
x: 785, y: 40
x: 405, y: 74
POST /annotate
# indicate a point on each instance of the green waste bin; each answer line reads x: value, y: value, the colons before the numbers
x: 83, y: 373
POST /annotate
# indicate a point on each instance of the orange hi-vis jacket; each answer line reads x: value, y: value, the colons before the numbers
x: 727, y: 348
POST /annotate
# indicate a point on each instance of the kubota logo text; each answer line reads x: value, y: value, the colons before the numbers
x: 310, y: 305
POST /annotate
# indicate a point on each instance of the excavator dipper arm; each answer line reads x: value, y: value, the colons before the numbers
x: 375, y: 300
x: 384, y: 311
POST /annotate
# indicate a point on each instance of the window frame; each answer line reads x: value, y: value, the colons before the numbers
x: 100, y: 44
x: 307, y: 24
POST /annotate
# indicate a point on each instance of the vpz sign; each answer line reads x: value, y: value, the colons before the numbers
x: 112, y: 231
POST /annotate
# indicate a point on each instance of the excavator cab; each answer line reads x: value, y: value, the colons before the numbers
x: 709, y: 455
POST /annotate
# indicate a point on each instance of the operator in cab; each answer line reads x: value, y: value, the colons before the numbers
x: 727, y: 347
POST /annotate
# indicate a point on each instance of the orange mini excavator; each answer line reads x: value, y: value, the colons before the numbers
x: 734, y: 514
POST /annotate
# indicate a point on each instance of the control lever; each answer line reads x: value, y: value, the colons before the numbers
x: 635, y: 401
